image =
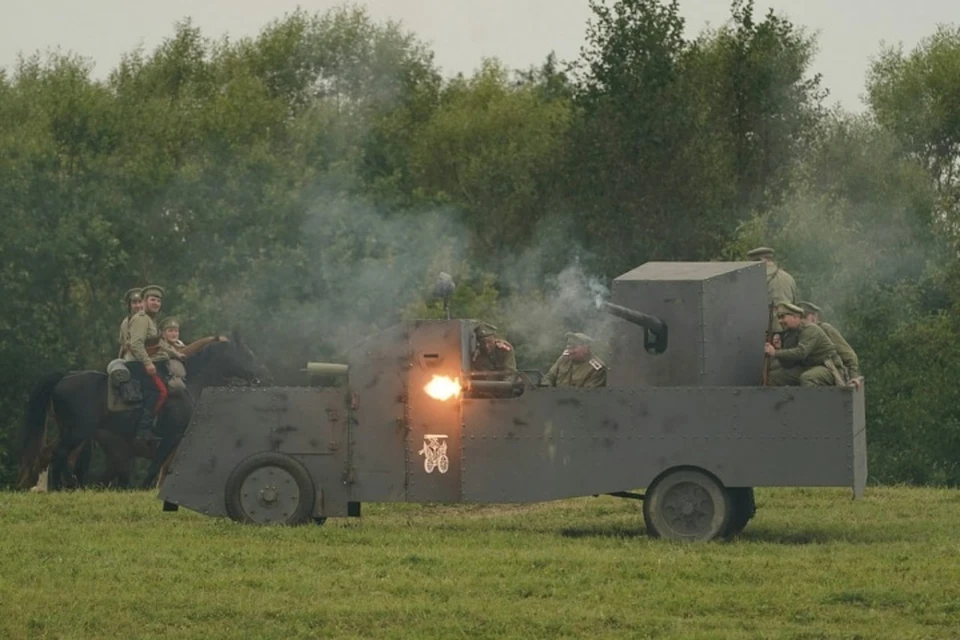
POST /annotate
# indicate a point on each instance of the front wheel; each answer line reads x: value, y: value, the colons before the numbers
x: 687, y: 505
x: 270, y: 488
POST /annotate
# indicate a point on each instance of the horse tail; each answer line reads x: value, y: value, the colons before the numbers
x: 33, y: 431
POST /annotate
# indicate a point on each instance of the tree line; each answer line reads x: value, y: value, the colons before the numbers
x: 306, y: 185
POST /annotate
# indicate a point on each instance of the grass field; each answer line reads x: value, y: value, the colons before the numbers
x: 812, y: 564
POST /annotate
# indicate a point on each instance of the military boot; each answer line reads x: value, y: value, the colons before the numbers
x: 145, y: 426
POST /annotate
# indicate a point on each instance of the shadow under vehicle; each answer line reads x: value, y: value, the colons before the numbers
x: 682, y: 416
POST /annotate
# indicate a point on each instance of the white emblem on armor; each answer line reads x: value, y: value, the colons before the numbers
x: 435, y: 453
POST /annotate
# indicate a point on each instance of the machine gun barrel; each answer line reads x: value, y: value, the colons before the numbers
x: 655, y: 325
x: 326, y: 369
x: 495, y: 386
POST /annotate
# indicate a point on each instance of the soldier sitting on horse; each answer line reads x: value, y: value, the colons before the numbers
x: 134, y: 303
x: 170, y: 336
x: 117, y: 369
x: 147, y: 359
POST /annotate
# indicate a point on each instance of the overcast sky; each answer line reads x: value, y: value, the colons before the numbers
x: 461, y: 32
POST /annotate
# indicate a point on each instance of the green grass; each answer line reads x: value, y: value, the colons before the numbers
x: 812, y: 564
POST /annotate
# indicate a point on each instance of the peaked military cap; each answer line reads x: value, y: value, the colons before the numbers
x: 170, y: 322
x: 578, y: 339
x: 809, y: 307
x: 791, y: 309
x: 132, y: 295
x: 485, y: 330
x: 152, y: 290
x: 760, y: 252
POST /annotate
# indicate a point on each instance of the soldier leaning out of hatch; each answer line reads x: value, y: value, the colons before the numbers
x: 781, y: 287
x: 493, y: 353
x: 577, y: 366
x: 848, y: 357
x: 813, y: 362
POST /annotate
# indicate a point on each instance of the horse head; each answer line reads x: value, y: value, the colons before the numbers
x: 220, y: 362
x: 246, y: 363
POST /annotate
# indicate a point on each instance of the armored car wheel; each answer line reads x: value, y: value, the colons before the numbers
x: 742, y: 509
x: 270, y: 488
x: 687, y: 505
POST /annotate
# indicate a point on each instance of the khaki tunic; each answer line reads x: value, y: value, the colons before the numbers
x: 847, y: 355
x: 805, y: 364
x: 588, y: 374
x: 143, y: 336
x: 124, y: 336
x: 781, y: 287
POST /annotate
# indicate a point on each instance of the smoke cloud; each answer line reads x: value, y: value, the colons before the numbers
x: 358, y: 271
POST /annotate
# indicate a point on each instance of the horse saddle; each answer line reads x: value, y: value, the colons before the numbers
x: 124, y: 393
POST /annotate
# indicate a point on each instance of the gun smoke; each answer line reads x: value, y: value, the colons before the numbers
x: 358, y: 271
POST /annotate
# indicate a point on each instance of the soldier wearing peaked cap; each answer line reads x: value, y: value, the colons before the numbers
x: 493, y: 353
x: 170, y: 328
x: 577, y: 366
x: 848, y: 357
x: 812, y: 362
x: 781, y: 286
x: 134, y: 302
x: 147, y: 359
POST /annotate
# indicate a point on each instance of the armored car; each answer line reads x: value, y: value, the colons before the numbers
x: 683, y: 423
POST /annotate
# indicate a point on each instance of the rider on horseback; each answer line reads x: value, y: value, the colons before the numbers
x: 147, y: 358
x: 170, y: 330
x: 134, y: 300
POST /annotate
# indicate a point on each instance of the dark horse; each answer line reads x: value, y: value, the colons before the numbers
x: 78, y: 402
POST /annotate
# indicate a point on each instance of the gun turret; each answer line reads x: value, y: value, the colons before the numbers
x: 655, y: 340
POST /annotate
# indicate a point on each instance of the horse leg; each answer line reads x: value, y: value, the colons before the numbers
x: 58, y: 466
x: 160, y: 457
x: 165, y: 468
x: 79, y: 463
x: 119, y: 458
x: 66, y: 456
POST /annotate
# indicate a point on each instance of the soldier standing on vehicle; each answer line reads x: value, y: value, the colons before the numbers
x: 134, y: 303
x: 577, y: 366
x: 147, y: 360
x: 493, y: 353
x: 811, y: 363
x: 847, y: 355
x: 781, y: 286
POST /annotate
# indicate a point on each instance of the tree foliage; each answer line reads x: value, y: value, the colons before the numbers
x: 914, y: 96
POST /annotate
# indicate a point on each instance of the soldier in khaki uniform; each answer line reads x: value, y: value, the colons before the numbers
x: 147, y: 360
x: 781, y: 286
x: 577, y: 366
x: 811, y: 363
x: 493, y: 353
x: 170, y: 330
x: 134, y: 303
x: 848, y: 356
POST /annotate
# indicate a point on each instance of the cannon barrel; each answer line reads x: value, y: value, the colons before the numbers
x: 655, y: 325
x: 326, y: 369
